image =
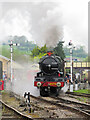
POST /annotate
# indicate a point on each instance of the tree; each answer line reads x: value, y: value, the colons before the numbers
x: 25, y: 45
x: 39, y: 51
x: 35, y: 51
x: 43, y: 49
x: 78, y: 52
x: 87, y: 59
x: 66, y: 51
x: 58, y: 50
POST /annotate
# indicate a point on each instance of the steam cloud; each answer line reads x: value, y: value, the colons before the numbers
x: 35, y: 19
x: 24, y: 80
x: 41, y: 22
x: 49, y: 29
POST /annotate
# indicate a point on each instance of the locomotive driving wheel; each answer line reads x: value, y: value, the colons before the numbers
x: 44, y: 91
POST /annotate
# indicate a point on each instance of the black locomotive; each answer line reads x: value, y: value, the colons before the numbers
x: 51, y: 77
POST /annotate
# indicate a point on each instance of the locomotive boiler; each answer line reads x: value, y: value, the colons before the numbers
x: 50, y: 79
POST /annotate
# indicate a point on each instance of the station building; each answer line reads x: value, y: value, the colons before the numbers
x: 6, y: 65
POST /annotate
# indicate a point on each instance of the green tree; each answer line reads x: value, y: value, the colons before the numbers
x: 58, y: 50
x: 87, y: 59
x: 66, y: 51
x: 5, y: 51
x: 78, y: 52
x: 25, y: 45
x: 43, y: 49
x: 35, y: 51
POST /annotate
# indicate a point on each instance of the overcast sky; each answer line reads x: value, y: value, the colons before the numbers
x: 45, y: 21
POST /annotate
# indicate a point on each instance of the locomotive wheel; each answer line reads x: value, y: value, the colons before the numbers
x: 58, y: 91
x: 43, y: 92
x: 55, y: 91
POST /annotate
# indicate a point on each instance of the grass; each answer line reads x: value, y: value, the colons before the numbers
x: 82, y: 99
x: 83, y: 91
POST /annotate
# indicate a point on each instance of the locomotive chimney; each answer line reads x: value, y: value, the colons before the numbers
x: 49, y: 53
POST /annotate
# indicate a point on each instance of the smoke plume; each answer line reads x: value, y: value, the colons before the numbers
x: 40, y: 22
x: 47, y: 26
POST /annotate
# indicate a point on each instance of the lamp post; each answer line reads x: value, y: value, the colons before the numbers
x: 11, y: 50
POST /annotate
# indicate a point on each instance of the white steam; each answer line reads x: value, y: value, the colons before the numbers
x: 49, y: 29
x: 23, y: 80
x: 39, y: 22
x: 65, y: 88
x: 41, y: 14
x: 14, y: 23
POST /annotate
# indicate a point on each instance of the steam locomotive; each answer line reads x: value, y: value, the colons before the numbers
x: 50, y: 79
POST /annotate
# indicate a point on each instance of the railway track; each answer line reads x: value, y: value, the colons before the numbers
x: 78, y: 105
x: 78, y: 94
x: 49, y: 107
x: 9, y: 112
x: 68, y: 105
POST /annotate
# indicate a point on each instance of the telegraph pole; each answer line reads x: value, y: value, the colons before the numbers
x: 11, y: 50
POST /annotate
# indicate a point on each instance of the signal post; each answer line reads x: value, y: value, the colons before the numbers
x: 71, y: 66
x: 11, y: 51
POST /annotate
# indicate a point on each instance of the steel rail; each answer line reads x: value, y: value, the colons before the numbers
x: 58, y: 104
x: 16, y: 111
x: 79, y: 94
x: 64, y: 106
x: 69, y: 102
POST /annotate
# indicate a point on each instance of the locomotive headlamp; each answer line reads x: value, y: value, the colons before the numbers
x: 38, y: 84
x: 58, y: 84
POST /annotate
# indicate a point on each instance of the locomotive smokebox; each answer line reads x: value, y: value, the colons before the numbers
x: 49, y: 64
